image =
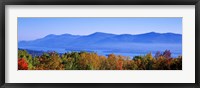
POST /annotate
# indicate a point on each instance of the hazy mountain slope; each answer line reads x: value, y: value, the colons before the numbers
x: 100, y: 39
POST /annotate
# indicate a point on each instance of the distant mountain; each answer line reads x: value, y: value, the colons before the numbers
x: 51, y: 41
x: 99, y: 39
x: 92, y: 38
x: 151, y: 37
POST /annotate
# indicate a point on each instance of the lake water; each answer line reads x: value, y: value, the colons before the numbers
x: 129, y: 50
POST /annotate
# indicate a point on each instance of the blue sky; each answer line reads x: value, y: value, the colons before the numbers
x: 34, y: 28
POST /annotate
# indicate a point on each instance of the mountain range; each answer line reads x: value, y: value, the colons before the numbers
x: 100, y: 39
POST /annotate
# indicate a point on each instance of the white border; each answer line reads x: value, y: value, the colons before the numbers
x: 187, y: 75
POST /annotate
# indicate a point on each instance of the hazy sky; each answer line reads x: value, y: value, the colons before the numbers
x: 34, y: 28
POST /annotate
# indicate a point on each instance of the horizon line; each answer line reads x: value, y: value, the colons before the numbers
x: 114, y: 34
x: 100, y: 32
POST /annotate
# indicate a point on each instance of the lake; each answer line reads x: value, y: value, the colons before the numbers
x: 130, y: 50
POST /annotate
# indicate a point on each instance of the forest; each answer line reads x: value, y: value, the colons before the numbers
x: 92, y: 61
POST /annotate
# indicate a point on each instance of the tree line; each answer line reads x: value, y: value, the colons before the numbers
x: 92, y: 61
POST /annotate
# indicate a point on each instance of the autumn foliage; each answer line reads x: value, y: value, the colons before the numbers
x: 93, y: 61
x: 22, y: 64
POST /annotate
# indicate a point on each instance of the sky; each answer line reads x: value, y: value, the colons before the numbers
x: 34, y: 28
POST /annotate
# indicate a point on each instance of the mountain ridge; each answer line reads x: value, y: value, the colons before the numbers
x: 98, y: 38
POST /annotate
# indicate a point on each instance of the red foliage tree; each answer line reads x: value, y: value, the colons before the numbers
x: 119, y: 65
x: 22, y: 64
